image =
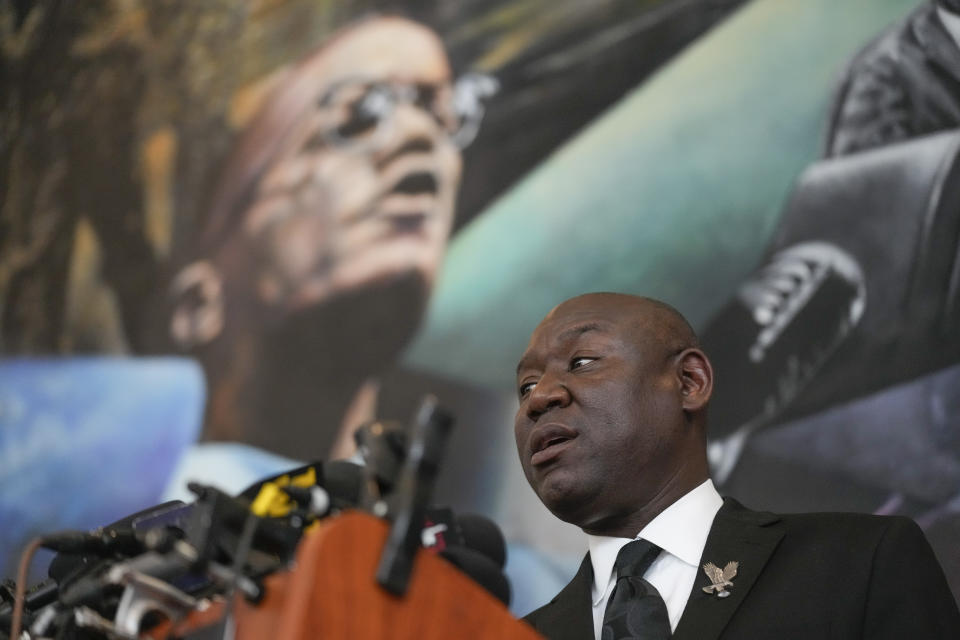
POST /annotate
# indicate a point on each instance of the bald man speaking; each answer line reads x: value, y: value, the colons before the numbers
x: 611, y: 432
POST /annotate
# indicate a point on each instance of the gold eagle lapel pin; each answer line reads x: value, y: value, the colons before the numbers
x: 721, y: 578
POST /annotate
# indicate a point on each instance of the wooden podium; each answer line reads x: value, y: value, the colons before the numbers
x: 332, y: 593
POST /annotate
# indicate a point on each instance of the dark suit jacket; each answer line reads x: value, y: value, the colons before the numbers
x: 820, y: 576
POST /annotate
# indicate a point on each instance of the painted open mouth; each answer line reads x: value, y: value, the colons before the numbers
x: 407, y: 222
x: 407, y: 205
x: 417, y: 183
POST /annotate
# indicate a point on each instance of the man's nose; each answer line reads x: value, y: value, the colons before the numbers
x: 410, y: 129
x: 549, y: 393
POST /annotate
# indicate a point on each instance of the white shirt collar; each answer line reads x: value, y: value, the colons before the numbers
x: 951, y: 23
x: 681, y: 530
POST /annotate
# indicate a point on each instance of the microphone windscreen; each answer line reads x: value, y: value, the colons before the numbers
x: 343, y: 481
x: 482, y: 534
x: 481, y: 570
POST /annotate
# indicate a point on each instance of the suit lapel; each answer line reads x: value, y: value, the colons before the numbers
x: 737, y: 534
x: 569, y: 616
x: 937, y: 42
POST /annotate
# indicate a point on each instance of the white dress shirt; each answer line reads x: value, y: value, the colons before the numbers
x: 681, y: 531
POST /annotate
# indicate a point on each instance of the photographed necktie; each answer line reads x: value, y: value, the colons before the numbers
x: 635, y: 609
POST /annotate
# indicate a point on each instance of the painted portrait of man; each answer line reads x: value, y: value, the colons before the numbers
x: 323, y: 238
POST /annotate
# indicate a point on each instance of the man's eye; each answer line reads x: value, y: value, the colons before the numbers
x: 576, y: 363
x: 526, y: 388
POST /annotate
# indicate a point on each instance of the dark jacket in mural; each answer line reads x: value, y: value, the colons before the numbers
x: 904, y: 84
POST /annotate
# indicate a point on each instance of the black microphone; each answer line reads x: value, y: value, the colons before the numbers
x: 442, y: 529
x: 344, y: 482
x: 482, y: 534
x: 472, y: 543
x: 408, y: 502
x: 100, y: 542
x: 382, y: 445
x: 77, y: 549
x: 36, y: 597
x: 481, y: 569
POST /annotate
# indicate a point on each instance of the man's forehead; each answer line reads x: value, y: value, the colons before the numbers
x: 392, y: 48
x: 573, y: 328
x: 557, y: 331
x: 629, y: 318
x: 607, y: 311
x: 572, y: 324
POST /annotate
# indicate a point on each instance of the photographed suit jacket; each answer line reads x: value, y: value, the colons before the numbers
x: 904, y: 84
x: 842, y: 576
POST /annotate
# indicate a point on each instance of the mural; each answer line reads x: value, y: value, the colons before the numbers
x: 233, y: 233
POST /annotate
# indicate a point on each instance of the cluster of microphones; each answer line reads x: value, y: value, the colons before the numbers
x: 171, y: 559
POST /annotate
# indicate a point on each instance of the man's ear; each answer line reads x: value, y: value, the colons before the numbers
x: 696, y: 379
x: 198, y: 306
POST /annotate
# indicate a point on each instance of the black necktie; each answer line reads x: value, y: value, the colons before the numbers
x: 635, y: 609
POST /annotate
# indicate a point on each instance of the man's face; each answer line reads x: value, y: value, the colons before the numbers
x: 362, y: 188
x: 597, y: 428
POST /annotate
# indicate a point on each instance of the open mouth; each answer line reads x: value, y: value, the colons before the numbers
x: 550, y: 443
x: 407, y: 205
x: 407, y: 199
x: 407, y: 222
x: 417, y: 183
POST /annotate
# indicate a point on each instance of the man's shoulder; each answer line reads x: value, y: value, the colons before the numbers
x: 537, y: 613
x: 843, y: 525
x: 818, y: 519
x: 570, y: 608
x: 829, y: 531
x: 814, y: 520
x: 554, y: 616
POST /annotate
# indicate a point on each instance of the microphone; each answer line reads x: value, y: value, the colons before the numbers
x: 483, y: 535
x: 442, y: 529
x: 100, y: 542
x: 342, y: 481
x: 481, y: 569
x: 408, y: 501
x: 473, y: 544
x: 77, y: 549
x: 382, y: 446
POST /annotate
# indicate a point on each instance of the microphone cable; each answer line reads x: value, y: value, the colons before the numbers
x: 244, y: 545
x: 20, y: 594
